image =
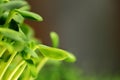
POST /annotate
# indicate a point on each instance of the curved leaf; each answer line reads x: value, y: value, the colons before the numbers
x: 30, y: 15
x: 55, y: 39
x: 11, y: 34
x: 53, y: 53
x: 12, y: 5
x: 70, y: 58
x: 18, y: 45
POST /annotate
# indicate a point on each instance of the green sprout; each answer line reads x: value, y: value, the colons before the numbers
x: 22, y: 56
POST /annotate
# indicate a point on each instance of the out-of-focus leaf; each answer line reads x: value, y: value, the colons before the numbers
x: 3, y: 17
x: 13, y: 5
x: 55, y: 39
x: 53, y: 53
x: 27, y: 30
x: 33, y: 42
x: 23, y: 35
x: 70, y: 58
x: 29, y: 15
x: 32, y: 68
x: 6, y: 45
x: 27, y: 7
x: 11, y: 34
x: 18, y: 45
x: 31, y: 52
x: 18, y: 18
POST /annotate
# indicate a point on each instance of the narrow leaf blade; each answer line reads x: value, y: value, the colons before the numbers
x: 13, y: 5
x: 11, y: 34
x: 30, y: 15
x: 53, y: 53
x: 31, y: 52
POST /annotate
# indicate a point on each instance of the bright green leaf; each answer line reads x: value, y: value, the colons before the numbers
x: 53, y: 53
x: 13, y: 5
x: 6, y: 45
x: 55, y: 39
x: 11, y: 34
x: 18, y: 45
x: 30, y: 15
x: 70, y: 58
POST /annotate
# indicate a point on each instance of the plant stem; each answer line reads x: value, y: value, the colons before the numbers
x: 15, y: 70
x: 26, y: 74
x: 42, y: 63
x: 19, y: 72
x: 2, y: 51
x: 2, y: 72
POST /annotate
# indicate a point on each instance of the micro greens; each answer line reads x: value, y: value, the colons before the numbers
x: 21, y: 55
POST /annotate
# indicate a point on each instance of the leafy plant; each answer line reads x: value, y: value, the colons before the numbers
x: 22, y: 56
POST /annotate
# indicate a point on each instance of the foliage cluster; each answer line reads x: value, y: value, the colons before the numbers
x: 21, y: 55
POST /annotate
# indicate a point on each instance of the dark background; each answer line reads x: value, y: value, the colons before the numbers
x: 88, y: 28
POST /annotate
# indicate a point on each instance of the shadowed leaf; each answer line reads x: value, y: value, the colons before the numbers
x: 11, y: 34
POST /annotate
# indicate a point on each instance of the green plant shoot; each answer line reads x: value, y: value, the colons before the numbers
x: 22, y: 56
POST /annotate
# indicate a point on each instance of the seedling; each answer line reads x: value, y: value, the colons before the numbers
x: 22, y: 56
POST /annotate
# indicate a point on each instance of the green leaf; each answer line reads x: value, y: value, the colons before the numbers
x: 27, y: 7
x: 27, y: 30
x: 53, y: 53
x: 30, y: 52
x: 6, y: 45
x: 11, y: 34
x: 23, y: 35
x: 70, y: 58
x: 18, y: 18
x: 30, y: 15
x: 55, y: 39
x: 13, y: 5
x: 18, y: 45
